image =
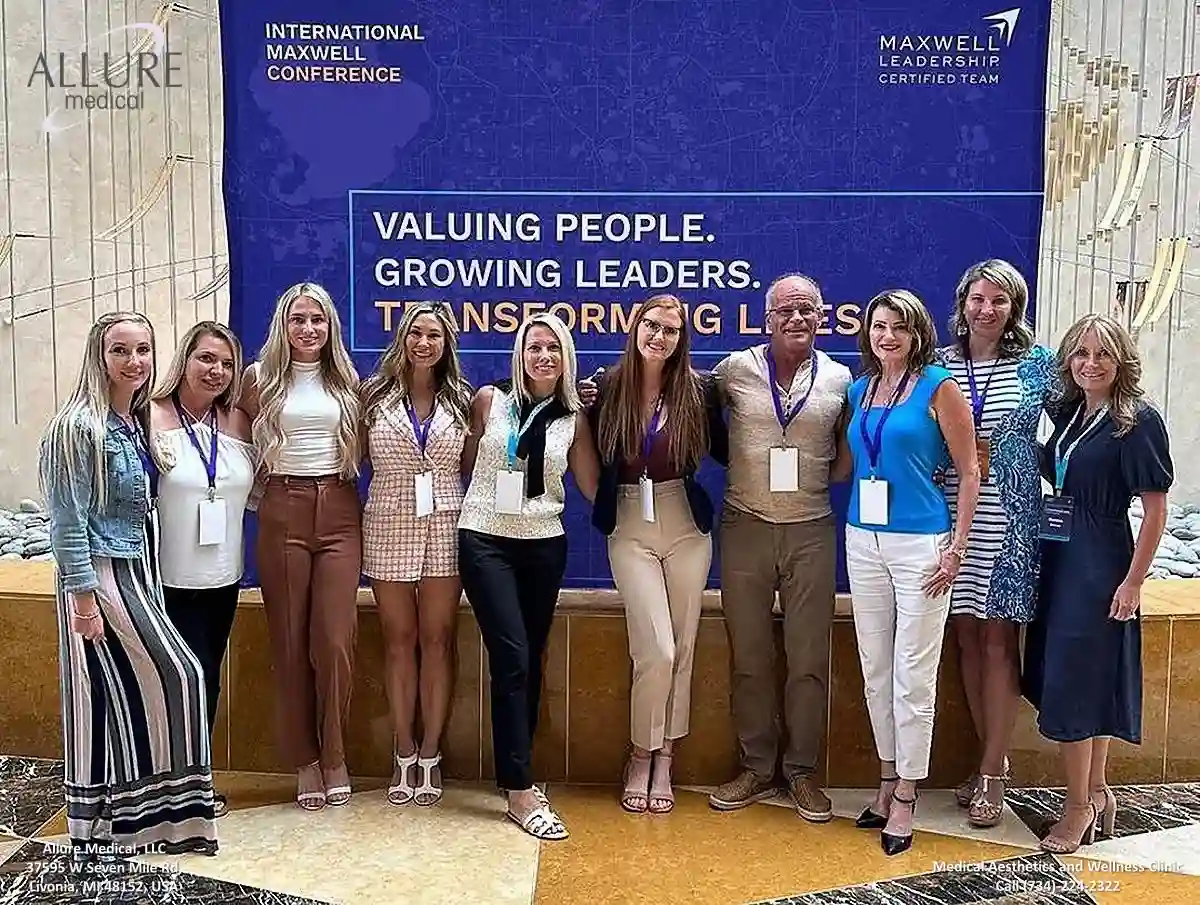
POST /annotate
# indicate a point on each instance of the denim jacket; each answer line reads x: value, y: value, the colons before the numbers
x: 79, y: 529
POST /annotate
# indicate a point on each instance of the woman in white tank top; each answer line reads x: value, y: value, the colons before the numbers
x: 206, y: 474
x: 302, y: 399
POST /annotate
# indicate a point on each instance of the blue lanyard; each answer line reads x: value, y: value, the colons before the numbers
x: 210, y: 463
x: 875, y: 445
x: 1062, y: 459
x: 420, y: 428
x: 785, y: 419
x: 977, y: 398
x: 652, y: 431
x: 517, y: 430
x: 143, y: 450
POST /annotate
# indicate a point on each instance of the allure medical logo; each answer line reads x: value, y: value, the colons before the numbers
x: 114, y: 71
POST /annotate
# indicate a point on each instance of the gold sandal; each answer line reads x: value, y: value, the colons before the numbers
x: 985, y: 813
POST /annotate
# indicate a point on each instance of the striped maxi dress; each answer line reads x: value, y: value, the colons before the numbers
x: 138, y: 772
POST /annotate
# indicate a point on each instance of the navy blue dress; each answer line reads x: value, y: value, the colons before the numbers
x: 1082, y: 670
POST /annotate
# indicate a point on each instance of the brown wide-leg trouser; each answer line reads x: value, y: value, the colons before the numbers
x: 309, y: 550
x: 800, y: 560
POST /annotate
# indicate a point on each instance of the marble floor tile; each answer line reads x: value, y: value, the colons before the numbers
x: 1168, y: 851
x: 1027, y: 879
x: 31, y: 791
x: 461, y: 851
x: 41, y: 874
x: 1140, y: 809
x: 8, y: 846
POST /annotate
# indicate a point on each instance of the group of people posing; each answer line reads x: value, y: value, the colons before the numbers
x: 957, y: 509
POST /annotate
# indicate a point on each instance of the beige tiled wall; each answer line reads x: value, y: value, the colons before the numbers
x: 58, y: 196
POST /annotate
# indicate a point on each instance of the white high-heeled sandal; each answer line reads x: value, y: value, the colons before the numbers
x: 433, y: 793
x: 402, y: 792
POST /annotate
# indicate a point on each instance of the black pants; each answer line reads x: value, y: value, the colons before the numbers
x: 512, y: 586
x: 205, y: 618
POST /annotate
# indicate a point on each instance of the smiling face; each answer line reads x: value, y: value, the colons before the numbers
x: 307, y: 329
x: 425, y: 342
x: 658, y: 333
x: 795, y: 313
x: 542, y: 355
x: 1094, y: 365
x: 128, y: 356
x: 891, y: 338
x: 210, y: 367
x: 988, y: 310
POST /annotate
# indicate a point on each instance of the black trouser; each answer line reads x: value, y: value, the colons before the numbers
x: 512, y: 586
x: 204, y: 617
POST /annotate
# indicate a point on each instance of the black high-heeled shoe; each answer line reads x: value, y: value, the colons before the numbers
x: 868, y: 819
x: 893, y: 844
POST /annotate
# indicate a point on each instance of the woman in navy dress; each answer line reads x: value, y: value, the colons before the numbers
x: 1083, y: 667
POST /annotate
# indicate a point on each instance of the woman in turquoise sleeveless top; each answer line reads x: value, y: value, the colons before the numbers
x: 903, y: 550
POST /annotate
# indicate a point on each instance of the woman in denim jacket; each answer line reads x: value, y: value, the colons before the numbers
x: 138, y: 775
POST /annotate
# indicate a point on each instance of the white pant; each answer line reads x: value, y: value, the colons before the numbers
x: 899, y: 630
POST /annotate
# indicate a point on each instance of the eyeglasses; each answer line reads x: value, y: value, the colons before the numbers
x: 787, y: 312
x: 655, y: 327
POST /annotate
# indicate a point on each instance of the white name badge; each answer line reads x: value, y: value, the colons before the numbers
x: 424, y: 486
x: 647, y: 487
x: 785, y: 470
x: 212, y: 522
x: 510, y: 492
x: 873, y: 502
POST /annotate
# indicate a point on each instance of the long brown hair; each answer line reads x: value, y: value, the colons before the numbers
x: 623, y: 417
x: 1127, y: 392
x: 914, y: 316
x: 390, y: 382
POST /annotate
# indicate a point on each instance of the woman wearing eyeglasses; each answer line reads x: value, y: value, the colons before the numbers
x: 655, y: 421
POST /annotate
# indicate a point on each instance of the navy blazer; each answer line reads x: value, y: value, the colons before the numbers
x: 604, y: 508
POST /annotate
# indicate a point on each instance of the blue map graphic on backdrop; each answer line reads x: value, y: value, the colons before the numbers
x: 869, y: 147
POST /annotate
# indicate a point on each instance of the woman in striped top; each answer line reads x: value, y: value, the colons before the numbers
x: 1008, y: 380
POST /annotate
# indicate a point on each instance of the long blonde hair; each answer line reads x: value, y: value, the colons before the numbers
x: 390, y: 382
x: 172, y: 380
x: 1018, y: 336
x: 274, y: 378
x: 1127, y: 391
x: 566, y: 391
x: 76, y: 431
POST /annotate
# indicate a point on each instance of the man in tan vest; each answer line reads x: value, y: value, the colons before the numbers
x: 787, y: 411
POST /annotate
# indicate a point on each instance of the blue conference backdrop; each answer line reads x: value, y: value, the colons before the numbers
x: 507, y: 158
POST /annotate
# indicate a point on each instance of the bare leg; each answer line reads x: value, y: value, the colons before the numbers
x: 437, y: 609
x: 1098, y: 791
x: 1075, y: 827
x: 1000, y: 694
x: 968, y: 632
x: 397, y: 602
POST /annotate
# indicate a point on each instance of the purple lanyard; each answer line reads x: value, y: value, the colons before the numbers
x: 652, y: 431
x: 874, y: 446
x: 143, y: 450
x: 785, y: 419
x: 210, y: 463
x: 977, y: 398
x: 420, y: 428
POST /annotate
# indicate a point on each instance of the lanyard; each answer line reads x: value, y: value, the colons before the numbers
x: 652, y: 431
x: 210, y: 462
x: 874, y: 446
x: 978, y: 398
x: 785, y: 419
x: 420, y: 428
x: 1062, y: 459
x: 517, y: 431
x: 143, y: 450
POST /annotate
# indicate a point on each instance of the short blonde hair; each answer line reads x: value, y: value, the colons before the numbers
x: 566, y: 390
x: 914, y: 316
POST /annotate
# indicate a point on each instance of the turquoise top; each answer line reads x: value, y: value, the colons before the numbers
x: 911, y: 450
